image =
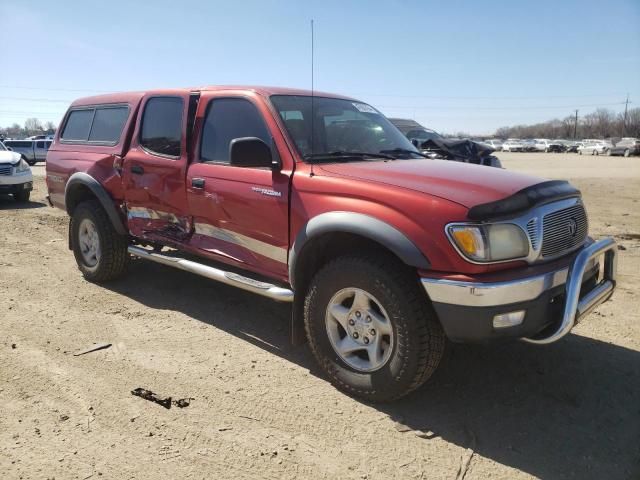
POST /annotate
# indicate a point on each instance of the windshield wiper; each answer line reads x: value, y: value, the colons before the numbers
x: 344, y: 155
x: 404, y: 150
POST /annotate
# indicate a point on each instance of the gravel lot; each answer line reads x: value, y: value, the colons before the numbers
x: 261, y: 409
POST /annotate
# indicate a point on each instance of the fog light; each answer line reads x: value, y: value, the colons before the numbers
x: 511, y: 319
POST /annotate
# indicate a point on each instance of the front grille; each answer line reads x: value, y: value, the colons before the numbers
x: 564, y: 230
x: 5, y: 169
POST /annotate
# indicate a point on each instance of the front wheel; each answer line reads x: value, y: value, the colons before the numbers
x: 627, y: 153
x: 100, y: 252
x: 371, y: 328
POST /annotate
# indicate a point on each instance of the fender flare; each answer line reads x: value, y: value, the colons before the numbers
x: 359, y: 224
x: 86, y: 180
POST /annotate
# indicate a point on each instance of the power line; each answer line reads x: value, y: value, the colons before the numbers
x: 527, y: 107
x: 25, y: 99
x: 20, y: 87
x: 489, y: 97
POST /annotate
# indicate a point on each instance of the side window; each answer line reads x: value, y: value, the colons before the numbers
x: 162, y: 126
x: 39, y: 144
x: 78, y: 125
x: 108, y: 123
x: 225, y: 120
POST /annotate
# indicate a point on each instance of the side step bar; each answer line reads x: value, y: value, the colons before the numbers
x: 261, y: 288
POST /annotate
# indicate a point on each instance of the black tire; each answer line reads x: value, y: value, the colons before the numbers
x: 419, y: 341
x: 627, y: 153
x: 113, y: 258
x: 22, y: 196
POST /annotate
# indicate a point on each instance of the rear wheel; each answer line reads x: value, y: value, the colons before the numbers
x: 371, y: 328
x: 594, y: 152
x: 100, y: 252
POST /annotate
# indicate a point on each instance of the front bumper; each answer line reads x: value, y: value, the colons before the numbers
x: 553, y: 301
x: 16, y: 183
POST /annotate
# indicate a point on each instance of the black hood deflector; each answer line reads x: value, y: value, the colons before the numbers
x: 524, y: 200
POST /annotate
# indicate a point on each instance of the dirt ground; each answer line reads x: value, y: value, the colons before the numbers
x: 261, y: 409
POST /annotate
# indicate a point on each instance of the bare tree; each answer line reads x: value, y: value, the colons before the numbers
x: 33, y: 126
x: 50, y: 128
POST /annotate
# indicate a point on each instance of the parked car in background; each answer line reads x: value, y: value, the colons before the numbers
x: 435, y: 146
x: 626, y: 146
x: 591, y: 147
x: 529, y: 145
x: 32, y: 151
x: 545, y: 145
x: 15, y: 175
x: 494, y: 143
x: 568, y: 145
x: 513, y: 145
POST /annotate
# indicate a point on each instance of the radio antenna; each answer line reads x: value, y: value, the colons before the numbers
x: 312, y: 99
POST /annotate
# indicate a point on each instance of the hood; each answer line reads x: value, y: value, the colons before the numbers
x: 9, y: 157
x: 466, y: 184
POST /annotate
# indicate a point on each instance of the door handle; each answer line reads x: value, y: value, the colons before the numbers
x: 197, y: 182
x: 137, y: 169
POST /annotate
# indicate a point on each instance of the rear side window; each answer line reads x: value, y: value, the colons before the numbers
x: 39, y: 144
x: 78, y: 125
x: 99, y: 124
x: 227, y: 119
x: 162, y: 126
x: 19, y: 144
x: 108, y: 124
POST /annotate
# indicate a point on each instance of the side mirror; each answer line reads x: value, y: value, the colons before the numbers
x: 415, y: 142
x: 251, y: 152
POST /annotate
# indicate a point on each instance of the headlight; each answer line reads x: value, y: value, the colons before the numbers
x: 489, y: 242
x: 22, y: 166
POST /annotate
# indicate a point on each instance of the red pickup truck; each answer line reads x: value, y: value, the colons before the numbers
x: 318, y: 200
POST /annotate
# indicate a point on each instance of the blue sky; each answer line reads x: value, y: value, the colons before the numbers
x: 453, y: 66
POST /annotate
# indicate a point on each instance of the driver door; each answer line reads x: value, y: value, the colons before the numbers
x: 240, y: 214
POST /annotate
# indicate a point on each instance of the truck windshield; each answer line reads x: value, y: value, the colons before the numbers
x: 343, y: 130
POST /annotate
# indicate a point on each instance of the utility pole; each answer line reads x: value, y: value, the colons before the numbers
x: 575, y: 126
x: 624, y: 122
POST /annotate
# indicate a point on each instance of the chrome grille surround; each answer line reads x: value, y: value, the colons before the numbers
x: 532, y: 232
x: 6, y: 169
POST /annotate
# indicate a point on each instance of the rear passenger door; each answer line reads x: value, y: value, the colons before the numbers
x: 240, y: 214
x: 154, y: 170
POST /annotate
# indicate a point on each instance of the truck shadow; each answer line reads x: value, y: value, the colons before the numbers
x: 8, y: 203
x: 569, y: 410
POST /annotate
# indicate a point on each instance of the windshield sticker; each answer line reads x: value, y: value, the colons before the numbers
x: 364, y: 108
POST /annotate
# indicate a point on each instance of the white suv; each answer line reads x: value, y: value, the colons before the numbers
x: 15, y: 175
